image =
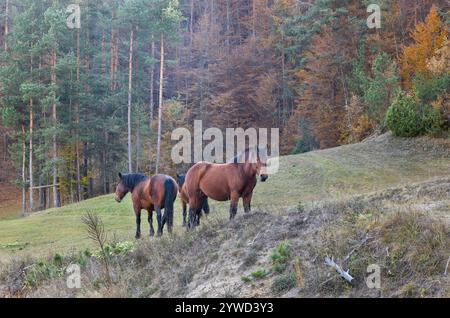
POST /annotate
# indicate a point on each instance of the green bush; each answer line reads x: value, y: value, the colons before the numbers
x: 42, y: 271
x: 259, y: 273
x: 283, y: 283
x: 433, y: 121
x: 280, y: 257
x: 403, y: 117
x: 406, y: 117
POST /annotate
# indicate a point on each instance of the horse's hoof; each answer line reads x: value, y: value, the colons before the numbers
x: 138, y: 237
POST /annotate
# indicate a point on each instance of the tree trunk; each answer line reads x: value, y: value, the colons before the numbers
x: 55, y: 149
x: 160, y: 104
x: 31, y: 146
x: 103, y: 56
x: 116, y: 60
x: 6, y: 24
x: 105, y: 162
x: 42, y: 195
x: 130, y: 82
x: 152, y: 82
x: 254, y: 19
x: 112, y: 53
x: 191, y: 30
x: 228, y: 27
x: 138, y: 142
x: 85, y: 169
x: 24, y: 179
x: 77, y: 122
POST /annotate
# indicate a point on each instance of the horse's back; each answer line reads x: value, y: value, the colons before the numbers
x: 211, y: 179
x: 157, y: 188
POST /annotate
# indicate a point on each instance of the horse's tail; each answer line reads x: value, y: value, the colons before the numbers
x: 205, y: 206
x: 169, y: 191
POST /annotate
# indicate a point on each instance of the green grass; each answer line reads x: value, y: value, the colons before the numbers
x: 328, y: 174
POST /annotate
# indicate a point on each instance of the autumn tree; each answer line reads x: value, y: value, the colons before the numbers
x: 429, y: 36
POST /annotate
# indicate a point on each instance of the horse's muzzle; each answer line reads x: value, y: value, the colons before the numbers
x: 264, y: 177
x: 118, y: 200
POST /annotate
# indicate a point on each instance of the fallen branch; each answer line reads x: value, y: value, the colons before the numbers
x: 446, y: 266
x: 344, y: 274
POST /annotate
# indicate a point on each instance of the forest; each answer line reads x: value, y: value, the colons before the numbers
x: 80, y: 103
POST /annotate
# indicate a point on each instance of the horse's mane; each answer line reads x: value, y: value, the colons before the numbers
x: 133, y: 179
x: 243, y: 155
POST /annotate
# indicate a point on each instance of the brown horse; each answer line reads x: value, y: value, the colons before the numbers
x: 223, y: 182
x: 185, y: 199
x: 155, y: 193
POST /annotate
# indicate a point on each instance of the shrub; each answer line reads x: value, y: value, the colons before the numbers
x: 259, y: 273
x: 300, y: 207
x: 246, y: 279
x: 433, y: 121
x: 42, y: 271
x: 404, y: 117
x: 284, y: 283
x: 280, y: 257
x: 115, y: 249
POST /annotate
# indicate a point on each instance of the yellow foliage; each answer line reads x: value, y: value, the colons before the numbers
x: 429, y: 37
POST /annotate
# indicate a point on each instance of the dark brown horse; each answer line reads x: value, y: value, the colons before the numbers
x: 223, y: 182
x: 185, y: 199
x: 155, y: 193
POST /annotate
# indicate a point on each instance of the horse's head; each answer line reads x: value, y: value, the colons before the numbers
x: 258, y: 159
x: 261, y: 164
x: 121, y: 189
x: 180, y: 180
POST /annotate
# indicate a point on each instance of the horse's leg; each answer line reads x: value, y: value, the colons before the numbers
x: 191, y: 220
x: 158, y: 217
x: 150, y: 222
x: 198, y: 215
x: 184, y: 213
x: 247, y: 202
x: 234, y: 204
x: 206, y: 206
x: 137, y: 211
x: 165, y: 219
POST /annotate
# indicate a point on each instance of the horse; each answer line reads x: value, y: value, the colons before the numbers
x: 222, y: 182
x: 155, y: 193
x: 185, y: 199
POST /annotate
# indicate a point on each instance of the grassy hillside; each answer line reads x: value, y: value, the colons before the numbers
x: 385, y: 201
x: 328, y: 174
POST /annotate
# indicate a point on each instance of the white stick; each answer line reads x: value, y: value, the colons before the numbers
x: 344, y: 274
x: 446, y: 266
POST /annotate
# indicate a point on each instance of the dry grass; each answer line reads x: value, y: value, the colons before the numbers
x: 280, y: 251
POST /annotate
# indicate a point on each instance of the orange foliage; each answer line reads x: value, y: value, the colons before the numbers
x: 429, y: 37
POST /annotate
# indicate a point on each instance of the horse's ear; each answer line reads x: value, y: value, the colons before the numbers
x: 120, y: 175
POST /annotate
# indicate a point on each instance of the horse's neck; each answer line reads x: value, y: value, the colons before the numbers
x: 248, y: 170
x: 142, y: 184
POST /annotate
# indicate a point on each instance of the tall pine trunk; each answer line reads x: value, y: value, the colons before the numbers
x: 130, y: 84
x: 24, y: 179
x: 55, y: 147
x: 152, y: 82
x: 160, y: 104
x: 31, y: 145
x: 77, y: 122
x: 6, y: 30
